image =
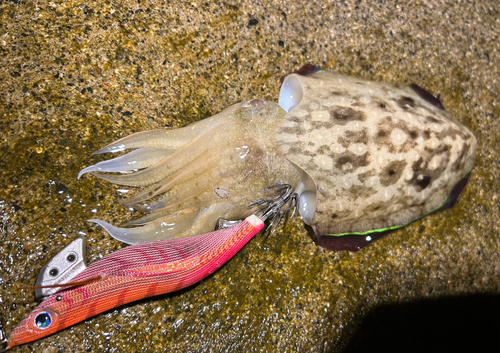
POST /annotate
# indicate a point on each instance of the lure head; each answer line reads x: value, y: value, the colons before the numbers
x: 380, y: 155
x: 40, y: 323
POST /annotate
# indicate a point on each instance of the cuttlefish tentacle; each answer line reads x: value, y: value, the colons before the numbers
x: 185, y: 184
x: 137, y: 159
x: 163, y: 169
x: 169, y: 139
x: 187, y: 222
x: 166, y: 227
x: 188, y: 194
x: 225, y: 163
x: 200, y: 165
x: 197, y: 201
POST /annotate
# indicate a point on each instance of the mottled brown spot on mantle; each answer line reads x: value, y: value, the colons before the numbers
x: 387, y: 125
x: 378, y: 206
x: 423, y: 181
x: 342, y: 115
x: 382, y: 133
x: 353, y: 137
x: 351, y: 158
x: 379, y: 104
x: 392, y: 172
x: 438, y: 150
x: 459, y: 164
x: 453, y: 133
x: 422, y: 175
x: 361, y: 192
x: 296, y: 131
x: 338, y: 93
x: 324, y: 149
x: 405, y: 102
x: 432, y: 119
x: 363, y: 176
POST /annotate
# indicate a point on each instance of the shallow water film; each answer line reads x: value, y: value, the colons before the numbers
x: 79, y: 75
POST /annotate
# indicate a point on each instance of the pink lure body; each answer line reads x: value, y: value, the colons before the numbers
x: 134, y: 273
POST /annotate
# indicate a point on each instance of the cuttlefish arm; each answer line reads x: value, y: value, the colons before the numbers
x: 191, y: 177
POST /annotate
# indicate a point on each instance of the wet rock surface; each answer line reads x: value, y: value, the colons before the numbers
x: 77, y: 75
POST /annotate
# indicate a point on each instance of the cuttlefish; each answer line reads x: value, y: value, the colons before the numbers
x: 361, y: 157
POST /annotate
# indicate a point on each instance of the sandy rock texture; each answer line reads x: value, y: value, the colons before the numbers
x: 76, y: 75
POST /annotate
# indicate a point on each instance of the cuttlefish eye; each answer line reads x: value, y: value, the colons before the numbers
x: 43, y: 320
x: 307, y: 205
x: 291, y: 93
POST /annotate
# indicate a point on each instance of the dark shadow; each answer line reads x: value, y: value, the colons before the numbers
x: 450, y: 324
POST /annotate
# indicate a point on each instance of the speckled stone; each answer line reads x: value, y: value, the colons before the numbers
x: 76, y: 75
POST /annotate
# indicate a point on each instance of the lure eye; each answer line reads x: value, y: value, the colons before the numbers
x: 43, y: 320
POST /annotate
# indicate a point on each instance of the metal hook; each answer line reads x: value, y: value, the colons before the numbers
x: 269, y: 208
x: 272, y: 207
